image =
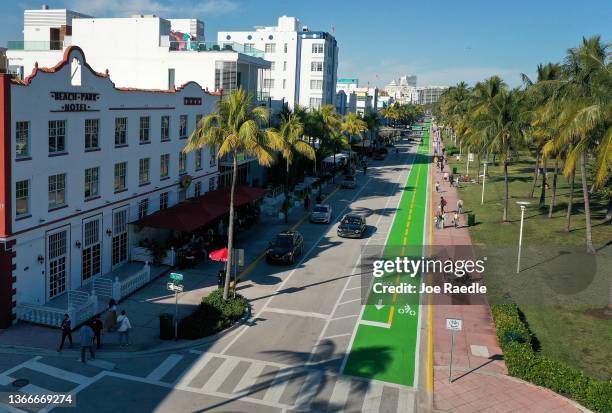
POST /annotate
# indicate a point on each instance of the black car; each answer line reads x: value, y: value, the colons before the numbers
x: 352, y: 226
x: 285, y: 247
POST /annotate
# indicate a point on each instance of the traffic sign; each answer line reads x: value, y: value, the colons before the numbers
x: 177, y: 288
x: 454, y: 324
x: 175, y: 276
x: 471, y: 157
x: 238, y: 257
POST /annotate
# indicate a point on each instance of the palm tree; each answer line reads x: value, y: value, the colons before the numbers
x: 352, y: 125
x: 287, y: 139
x: 504, y: 122
x: 372, y: 121
x: 336, y: 141
x: 235, y: 128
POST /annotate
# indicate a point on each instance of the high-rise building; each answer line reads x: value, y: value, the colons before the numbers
x: 304, y: 62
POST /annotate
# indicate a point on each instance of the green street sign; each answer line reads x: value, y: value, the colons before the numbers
x: 175, y: 276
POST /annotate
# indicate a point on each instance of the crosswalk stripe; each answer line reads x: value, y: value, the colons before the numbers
x: 191, y: 372
x: 340, y: 394
x: 5, y: 380
x: 246, y: 385
x: 277, y: 387
x: 371, y: 400
x: 220, y: 375
x: 309, y: 389
x: 34, y: 389
x: 167, y: 365
x: 55, y: 372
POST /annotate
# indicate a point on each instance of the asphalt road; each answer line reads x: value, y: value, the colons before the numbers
x: 286, y: 358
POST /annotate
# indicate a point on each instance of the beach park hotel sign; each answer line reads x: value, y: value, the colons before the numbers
x: 75, y: 101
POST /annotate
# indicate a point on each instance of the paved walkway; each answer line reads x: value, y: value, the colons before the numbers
x: 145, y: 305
x: 480, y: 380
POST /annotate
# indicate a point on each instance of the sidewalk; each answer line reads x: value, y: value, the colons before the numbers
x: 481, y: 383
x: 145, y: 305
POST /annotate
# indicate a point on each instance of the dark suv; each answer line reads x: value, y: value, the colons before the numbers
x: 285, y: 247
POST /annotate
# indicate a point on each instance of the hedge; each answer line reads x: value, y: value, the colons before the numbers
x: 212, y: 315
x: 522, y: 361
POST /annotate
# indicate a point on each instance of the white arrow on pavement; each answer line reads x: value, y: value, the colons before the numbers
x: 379, y: 305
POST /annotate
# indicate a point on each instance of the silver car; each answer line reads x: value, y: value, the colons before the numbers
x: 322, y: 213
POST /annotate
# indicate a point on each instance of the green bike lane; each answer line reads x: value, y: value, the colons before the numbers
x: 385, y: 344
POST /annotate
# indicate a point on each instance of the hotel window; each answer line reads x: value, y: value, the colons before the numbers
x: 22, y: 139
x: 145, y: 122
x: 183, y: 126
x: 248, y: 47
x: 198, y: 159
x: 315, y: 103
x: 120, y: 176
x: 22, y: 197
x: 316, y: 66
x: 272, y: 65
x: 270, y: 48
x: 165, y: 128
x: 268, y: 83
x: 182, y: 163
x: 197, y: 189
x: 164, y: 166
x: 92, y: 129
x: 285, y: 48
x: 92, y: 181
x: 316, y: 84
x: 284, y: 66
x: 163, y: 200
x: 57, y: 191
x: 317, y: 48
x: 121, y: 131
x: 284, y: 83
x: 143, y: 208
x: 143, y: 171
x: 198, y: 120
x: 57, y: 136
x: 211, y: 183
x: 213, y: 156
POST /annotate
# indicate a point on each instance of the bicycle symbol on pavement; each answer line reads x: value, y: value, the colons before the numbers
x: 406, y: 310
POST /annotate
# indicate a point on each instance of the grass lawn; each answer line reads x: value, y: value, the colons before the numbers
x: 576, y: 335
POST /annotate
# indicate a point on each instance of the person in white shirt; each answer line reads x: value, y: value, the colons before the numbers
x: 124, y: 328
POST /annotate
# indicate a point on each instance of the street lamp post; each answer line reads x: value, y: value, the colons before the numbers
x: 522, y: 204
x: 484, y: 177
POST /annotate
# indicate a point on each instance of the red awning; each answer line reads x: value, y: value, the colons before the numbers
x: 219, y: 255
x: 197, y: 212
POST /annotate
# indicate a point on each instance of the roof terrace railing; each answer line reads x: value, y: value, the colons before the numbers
x: 195, y: 46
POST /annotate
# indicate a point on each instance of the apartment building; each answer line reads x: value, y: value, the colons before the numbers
x: 304, y: 62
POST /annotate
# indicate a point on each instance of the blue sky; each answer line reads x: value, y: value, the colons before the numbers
x: 441, y: 41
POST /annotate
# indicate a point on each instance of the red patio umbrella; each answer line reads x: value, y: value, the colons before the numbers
x: 219, y: 255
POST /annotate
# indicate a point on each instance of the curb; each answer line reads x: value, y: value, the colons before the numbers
x: 183, y: 345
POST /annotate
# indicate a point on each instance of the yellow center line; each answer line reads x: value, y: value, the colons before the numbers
x: 392, y: 309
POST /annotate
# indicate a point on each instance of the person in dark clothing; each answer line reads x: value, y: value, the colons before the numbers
x: 442, y: 204
x: 66, y: 328
x: 97, y: 328
x: 86, y: 335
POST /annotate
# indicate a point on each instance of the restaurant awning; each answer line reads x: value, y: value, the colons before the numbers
x: 197, y: 212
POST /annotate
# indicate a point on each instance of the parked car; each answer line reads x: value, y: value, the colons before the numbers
x: 352, y: 226
x: 321, y: 213
x: 378, y: 156
x: 348, y: 182
x: 285, y: 247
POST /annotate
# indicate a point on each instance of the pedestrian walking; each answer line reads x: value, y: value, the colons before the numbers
x: 111, y: 316
x: 97, y: 328
x: 86, y: 336
x: 437, y: 186
x: 66, y: 328
x: 307, y: 202
x: 442, y: 204
x: 124, y: 328
x: 460, y: 206
x: 456, y: 219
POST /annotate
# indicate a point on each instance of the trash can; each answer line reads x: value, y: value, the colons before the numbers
x: 471, y: 220
x: 454, y: 170
x: 166, y: 326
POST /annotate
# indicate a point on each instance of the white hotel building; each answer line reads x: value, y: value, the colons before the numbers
x: 304, y: 63
x: 81, y: 158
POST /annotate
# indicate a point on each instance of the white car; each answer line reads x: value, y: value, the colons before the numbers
x: 322, y: 213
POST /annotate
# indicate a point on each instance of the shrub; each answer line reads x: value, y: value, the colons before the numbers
x: 212, y: 315
x: 522, y: 361
x: 451, y: 150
